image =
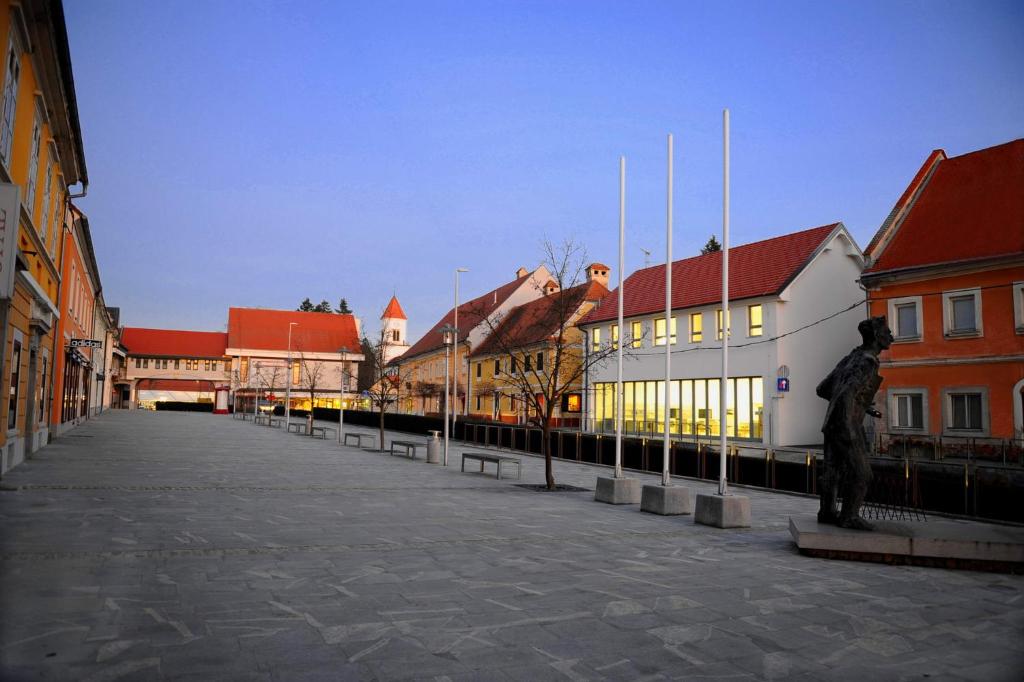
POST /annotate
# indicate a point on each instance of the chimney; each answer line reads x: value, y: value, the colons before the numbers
x: 522, y: 272
x: 598, y: 272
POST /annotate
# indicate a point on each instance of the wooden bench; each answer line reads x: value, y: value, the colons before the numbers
x: 321, y: 431
x: 483, y: 457
x: 359, y: 438
x: 407, y: 445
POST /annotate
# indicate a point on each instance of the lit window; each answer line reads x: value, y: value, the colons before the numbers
x: 636, y: 335
x: 615, y: 336
x: 718, y: 324
x: 696, y: 327
x: 595, y: 339
x: 659, y: 331
x: 755, y: 324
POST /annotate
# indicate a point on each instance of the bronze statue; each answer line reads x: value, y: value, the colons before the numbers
x: 850, y: 391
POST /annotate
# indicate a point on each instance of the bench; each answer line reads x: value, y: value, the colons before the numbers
x: 297, y: 427
x: 261, y: 418
x: 275, y: 422
x: 359, y: 438
x: 408, y: 446
x: 321, y: 431
x: 483, y: 457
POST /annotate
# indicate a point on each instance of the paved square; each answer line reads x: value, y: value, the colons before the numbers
x: 183, y: 546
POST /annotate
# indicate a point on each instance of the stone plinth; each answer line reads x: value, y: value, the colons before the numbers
x: 667, y: 500
x: 951, y: 543
x: 618, y: 490
x: 722, y: 511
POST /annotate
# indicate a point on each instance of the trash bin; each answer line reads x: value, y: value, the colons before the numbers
x: 434, y: 448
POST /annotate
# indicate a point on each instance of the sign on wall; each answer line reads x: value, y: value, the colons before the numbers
x: 9, y: 212
x: 85, y: 343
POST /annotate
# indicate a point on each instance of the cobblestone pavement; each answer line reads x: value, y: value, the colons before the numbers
x: 182, y: 546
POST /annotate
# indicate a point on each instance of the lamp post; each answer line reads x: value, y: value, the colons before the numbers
x: 256, y: 392
x: 448, y: 334
x: 455, y: 345
x: 341, y: 402
x: 288, y: 380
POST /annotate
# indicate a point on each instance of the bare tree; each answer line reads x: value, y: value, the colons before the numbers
x: 544, y: 354
x: 387, y: 384
x: 311, y: 376
x: 265, y: 375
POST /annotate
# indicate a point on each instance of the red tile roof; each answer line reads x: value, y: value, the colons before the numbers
x: 191, y: 385
x: 471, y: 313
x: 393, y: 311
x: 539, y: 319
x: 970, y: 208
x: 262, y: 329
x: 173, y: 343
x: 759, y: 269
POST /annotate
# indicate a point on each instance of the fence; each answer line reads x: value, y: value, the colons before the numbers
x: 936, y: 447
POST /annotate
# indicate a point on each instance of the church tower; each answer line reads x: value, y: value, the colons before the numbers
x: 393, y: 322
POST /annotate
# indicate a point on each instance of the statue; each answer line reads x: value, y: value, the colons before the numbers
x: 850, y: 391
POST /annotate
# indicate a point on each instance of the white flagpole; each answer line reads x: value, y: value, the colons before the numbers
x: 666, y: 478
x: 622, y: 267
x: 723, y: 488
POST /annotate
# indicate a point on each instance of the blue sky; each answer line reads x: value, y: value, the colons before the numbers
x: 256, y: 153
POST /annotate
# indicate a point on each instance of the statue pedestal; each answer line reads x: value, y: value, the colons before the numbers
x: 722, y: 511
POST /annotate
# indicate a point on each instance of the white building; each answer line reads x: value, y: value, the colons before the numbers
x: 793, y: 311
x: 393, y: 323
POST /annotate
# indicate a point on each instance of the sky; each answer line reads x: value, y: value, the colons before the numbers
x: 258, y: 153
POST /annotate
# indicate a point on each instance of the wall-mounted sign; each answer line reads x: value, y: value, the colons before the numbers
x: 9, y: 211
x: 85, y: 343
x: 572, y: 402
x: 782, y: 385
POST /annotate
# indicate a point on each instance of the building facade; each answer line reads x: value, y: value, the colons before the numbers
x: 41, y: 159
x: 793, y: 313
x: 173, y: 365
x: 947, y: 269
x: 421, y: 369
x: 314, y: 355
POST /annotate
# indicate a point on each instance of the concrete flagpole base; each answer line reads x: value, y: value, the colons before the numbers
x: 722, y: 511
x: 617, y: 490
x: 667, y: 500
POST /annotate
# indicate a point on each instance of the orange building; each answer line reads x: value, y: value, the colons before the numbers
x: 947, y: 269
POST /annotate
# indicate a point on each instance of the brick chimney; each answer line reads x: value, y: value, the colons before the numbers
x: 598, y: 272
x: 522, y: 272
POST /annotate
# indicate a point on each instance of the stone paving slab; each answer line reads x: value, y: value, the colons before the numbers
x: 185, y: 546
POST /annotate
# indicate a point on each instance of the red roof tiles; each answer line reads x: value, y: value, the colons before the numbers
x: 471, y: 313
x: 261, y: 329
x: 393, y: 311
x: 758, y: 269
x: 173, y: 343
x: 539, y: 319
x: 970, y: 208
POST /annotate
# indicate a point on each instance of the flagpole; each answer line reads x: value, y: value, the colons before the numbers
x: 723, y: 488
x: 666, y: 478
x: 622, y: 267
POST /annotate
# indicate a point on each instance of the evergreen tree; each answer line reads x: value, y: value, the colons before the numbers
x: 323, y: 307
x: 343, y: 308
x: 711, y: 246
x: 306, y: 306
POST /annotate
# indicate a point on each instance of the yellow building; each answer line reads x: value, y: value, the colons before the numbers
x: 41, y: 158
x: 514, y: 368
x: 421, y: 369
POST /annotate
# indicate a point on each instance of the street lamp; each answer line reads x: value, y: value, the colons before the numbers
x: 455, y: 344
x: 341, y: 403
x: 448, y: 336
x: 288, y: 380
x: 256, y: 392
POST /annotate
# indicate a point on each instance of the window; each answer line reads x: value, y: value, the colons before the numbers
x: 478, y: 399
x: 540, y: 362
x: 33, y: 167
x: 11, y: 79
x: 718, y: 324
x: 962, y: 312
x: 595, y: 339
x: 1018, y: 306
x: 497, y: 367
x: 44, y: 212
x: 295, y: 372
x: 12, y: 405
x: 138, y: 363
x: 145, y: 363
x: 905, y: 318
x: 659, y: 331
x: 965, y: 411
x: 513, y: 365
x: 907, y: 409
x: 527, y: 363
x: 206, y: 365
x: 636, y: 335
x: 696, y: 327
x: 755, y: 321
x: 615, y: 336
x: 394, y: 335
